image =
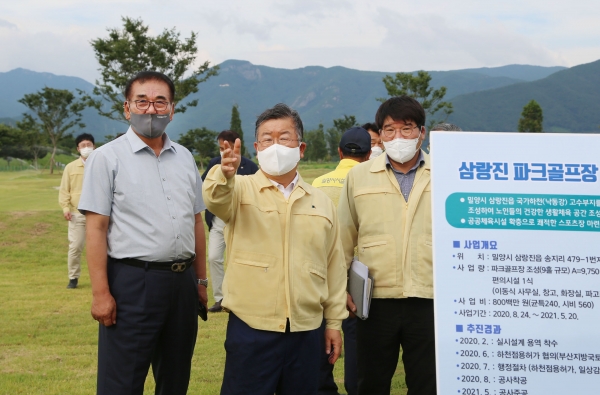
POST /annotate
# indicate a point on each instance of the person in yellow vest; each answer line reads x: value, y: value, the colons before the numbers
x: 385, y: 211
x: 68, y: 198
x: 355, y: 147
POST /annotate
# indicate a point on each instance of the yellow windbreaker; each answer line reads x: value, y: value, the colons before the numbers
x: 393, y: 236
x: 284, y: 257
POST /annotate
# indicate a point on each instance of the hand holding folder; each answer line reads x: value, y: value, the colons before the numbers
x: 360, y: 287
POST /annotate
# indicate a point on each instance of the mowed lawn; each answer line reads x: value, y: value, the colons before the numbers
x: 48, y: 340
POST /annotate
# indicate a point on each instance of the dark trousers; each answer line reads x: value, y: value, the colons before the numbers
x: 393, y: 323
x: 327, y: 384
x: 157, y: 323
x: 266, y: 363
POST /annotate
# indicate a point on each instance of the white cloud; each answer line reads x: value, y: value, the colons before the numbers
x: 384, y: 35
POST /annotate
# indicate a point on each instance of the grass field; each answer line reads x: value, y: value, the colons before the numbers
x: 48, y: 339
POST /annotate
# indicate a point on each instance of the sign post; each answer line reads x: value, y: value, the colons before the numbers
x: 516, y: 246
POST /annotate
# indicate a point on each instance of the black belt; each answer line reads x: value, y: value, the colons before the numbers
x: 178, y: 266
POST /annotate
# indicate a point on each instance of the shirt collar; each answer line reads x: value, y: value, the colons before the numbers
x: 137, y: 144
x: 289, y: 187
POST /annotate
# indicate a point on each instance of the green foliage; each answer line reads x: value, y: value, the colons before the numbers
x: 12, y: 144
x: 334, y: 134
x: 316, y: 146
x: 418, y: 87
x: 531, y: 118
x: 202, y: 143
x: 236, y: 126
x: 55, y: 111
x: 128, y: 51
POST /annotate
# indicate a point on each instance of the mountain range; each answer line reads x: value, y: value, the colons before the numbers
x: 485, y: 99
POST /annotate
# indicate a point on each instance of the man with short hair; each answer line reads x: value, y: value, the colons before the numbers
x: 68, y: 198
x: 143, y: 203
x: 376, y: 145
x: 354, y: 148
x: 285, y: 267
x: 216, y: 239
x: 385, y: 211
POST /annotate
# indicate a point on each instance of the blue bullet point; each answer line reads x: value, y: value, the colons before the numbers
x: 456, y: 244
x: 454, y: 300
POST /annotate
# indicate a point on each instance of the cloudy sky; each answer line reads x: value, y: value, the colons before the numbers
x: 381, y: 35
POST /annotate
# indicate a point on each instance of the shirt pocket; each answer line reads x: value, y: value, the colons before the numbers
x: 422, y: 265
x: 252, y: 282
x: 375, y: 204
x: 378, y: 252
x: 311, y: 230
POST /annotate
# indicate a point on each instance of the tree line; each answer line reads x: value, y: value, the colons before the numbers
x: 55, y: 114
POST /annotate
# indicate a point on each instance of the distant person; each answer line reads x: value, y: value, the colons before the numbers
x: 68, y: 198
x: 385, y: 211
x: 354, y: 148
x: 444, y: 127
x: 376, y: 144
x: 216, y: 239
x: 142, y: 196
x: 285, y: 268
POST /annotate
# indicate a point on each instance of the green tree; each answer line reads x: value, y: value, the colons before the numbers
x: 34, y: 138
x: 531, y: 118
x: 11, y: 143
x: 417, y: 87
x: 334, y: 134
x: 202, y: 143
x: 56, y: 112
x: 130, y: 50
x: 236, y: 126
x: 316, y: 146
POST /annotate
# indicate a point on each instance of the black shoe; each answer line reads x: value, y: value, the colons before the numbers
x: 216, y: 308
x: 72, y: 283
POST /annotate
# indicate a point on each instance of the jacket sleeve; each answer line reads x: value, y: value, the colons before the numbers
x: 211, y: 164
x: 334, y: 307
x: 64, y: 192
x: 348, y: 219
x: 219, y: 193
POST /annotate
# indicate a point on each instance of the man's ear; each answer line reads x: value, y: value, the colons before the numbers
x: 302, y: 148
x: 126, y: 110
x: 172, y: 112
x: 340, y: 153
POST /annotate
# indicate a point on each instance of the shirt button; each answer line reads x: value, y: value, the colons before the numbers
x: 281, y: 326
x: 177, y: 236
x: 164, y: 179
x: 173, y: 217
x: 168, y: 197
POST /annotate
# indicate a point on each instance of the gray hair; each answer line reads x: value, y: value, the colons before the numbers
x: 446, y: 127
x: 280, y: 111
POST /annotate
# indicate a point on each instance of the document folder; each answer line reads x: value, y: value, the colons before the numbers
x: 360, y: 287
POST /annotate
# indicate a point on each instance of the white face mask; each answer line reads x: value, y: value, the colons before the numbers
x: 401, y: 150
x: 375, y: 152
x: 278, y: 159
x: 85, y: 152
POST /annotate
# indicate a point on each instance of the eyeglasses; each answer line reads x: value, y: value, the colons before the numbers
x: 159, y: 105
x: 390, y: 132
x: 267, y: 142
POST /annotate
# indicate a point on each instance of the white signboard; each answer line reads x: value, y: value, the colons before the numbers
x: 516, y: 237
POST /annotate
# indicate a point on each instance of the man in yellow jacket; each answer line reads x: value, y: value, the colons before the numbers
x: 354, y: 148
x: 385, y: 211
x: 285, y: 265
x: 68, y: 198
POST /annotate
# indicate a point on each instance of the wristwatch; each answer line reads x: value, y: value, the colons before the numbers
x: 203, y: 282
